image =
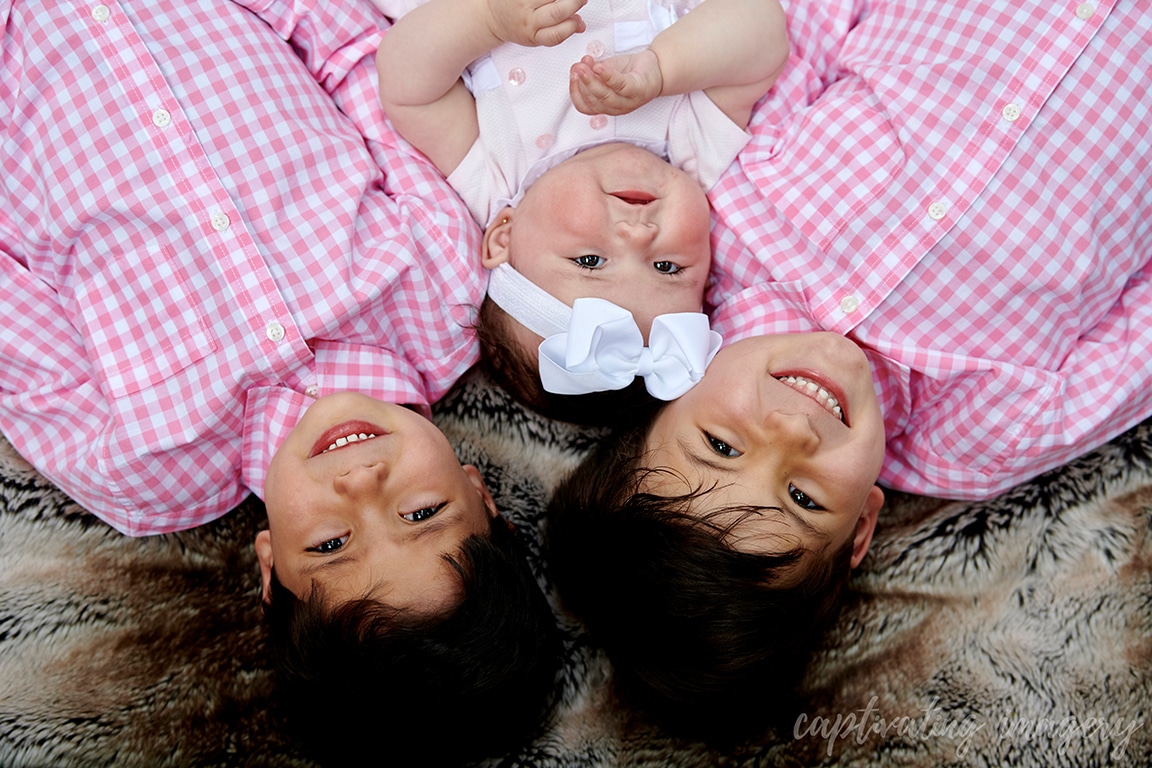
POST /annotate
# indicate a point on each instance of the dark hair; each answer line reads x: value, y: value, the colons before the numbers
x: 709, y: 641
x: 363, y: 682
x: 518, y: 373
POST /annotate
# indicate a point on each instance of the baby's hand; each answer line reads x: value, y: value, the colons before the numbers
x: 617, y: 85
x: 534, y: 22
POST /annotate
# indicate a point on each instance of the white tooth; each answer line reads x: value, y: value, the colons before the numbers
x: 331, y: 447
x: 364, y: 436
x: 810, y: 386
x: 372, y: 435
x: 341, y: 441
x: 353, y: 439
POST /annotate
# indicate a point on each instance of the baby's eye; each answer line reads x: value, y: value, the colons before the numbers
x: 803, y: 500
x: 721, y: 447
x: 329, y: 546
x: 589, y: 261
x: 667, y: 267
x: 423, y: 513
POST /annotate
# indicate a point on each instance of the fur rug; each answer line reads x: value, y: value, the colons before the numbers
x: 1012, y: 632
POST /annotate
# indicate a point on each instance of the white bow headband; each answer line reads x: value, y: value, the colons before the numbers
x: 595, y: 345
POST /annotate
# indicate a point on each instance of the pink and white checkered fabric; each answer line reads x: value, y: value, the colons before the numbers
x: 969, y: 199
x: 204, y: 220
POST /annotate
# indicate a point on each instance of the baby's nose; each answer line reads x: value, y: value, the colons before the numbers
x: 641, y: 232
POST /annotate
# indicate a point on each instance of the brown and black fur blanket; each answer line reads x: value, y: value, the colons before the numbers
x: 1016, y: 631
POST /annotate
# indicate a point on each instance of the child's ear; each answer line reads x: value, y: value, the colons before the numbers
x: 264, y: 555
x: 497, y: 237
x: 481, y: 488
x: 866, y: 524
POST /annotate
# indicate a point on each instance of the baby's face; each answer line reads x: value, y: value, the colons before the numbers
x: 373, y: 515
x: 615, y: 222
x: 786, y: 421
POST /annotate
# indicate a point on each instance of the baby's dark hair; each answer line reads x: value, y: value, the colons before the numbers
x: 365, y: 683
x: 516, y: 372
x: 710, y: 642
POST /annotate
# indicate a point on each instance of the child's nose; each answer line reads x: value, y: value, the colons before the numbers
x: 792, y: 430
x: 362, y: 479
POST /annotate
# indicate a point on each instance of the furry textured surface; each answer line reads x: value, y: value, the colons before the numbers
x: 1012, y: 632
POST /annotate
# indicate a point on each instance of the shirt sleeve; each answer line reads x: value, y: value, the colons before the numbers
x: 51, y: 407
x: 330, y: 38
x: 702, y: 140
x: 1105, y: 385
x: 974, y: 435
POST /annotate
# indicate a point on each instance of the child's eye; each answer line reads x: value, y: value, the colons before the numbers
x: 424, y: 513
x: 803, y: 500
x: 589, y: 261
x: 329, y: 546
x: 667, y: 267
x: 721, y: 447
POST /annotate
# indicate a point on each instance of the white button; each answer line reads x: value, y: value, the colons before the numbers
x: 595, y: 49
x: 221, y: 222
x: 161, y: 118
x: 849, y: 304
x: 598, y: 122
x: 274, y: 331
x: 312, y: 390
x: 101, y: 13
x: 1011, y: 112
x: 937, y: 211
x: 1085, y: 11
x: 545, y: 140
x: 516, y: 76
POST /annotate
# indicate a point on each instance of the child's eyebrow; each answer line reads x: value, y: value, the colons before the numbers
x: 327, y: 564
x: 438, y: 523
x: 701, y: 460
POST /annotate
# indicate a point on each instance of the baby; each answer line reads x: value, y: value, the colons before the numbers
x: 584, y: 138
x: 393, y: 589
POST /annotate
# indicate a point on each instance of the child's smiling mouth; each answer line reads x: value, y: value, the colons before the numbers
x: 344, y: 434
x: 817, y: 391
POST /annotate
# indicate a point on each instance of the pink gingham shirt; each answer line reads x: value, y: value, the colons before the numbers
x: 196, y: 239
x: 964, y: 189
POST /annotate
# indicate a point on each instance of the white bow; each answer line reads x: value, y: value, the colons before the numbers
x: 604, y: 349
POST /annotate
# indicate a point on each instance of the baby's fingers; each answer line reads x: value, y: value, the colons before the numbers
x: 557, y: 33
x: 589, y: 95
x: 557, y: 20
x: 610, y: 79
x: 558, y: 10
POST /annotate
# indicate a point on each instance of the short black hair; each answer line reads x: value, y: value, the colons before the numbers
x: 519, y: 375
x: 362, y: 682
x: 708, y: 641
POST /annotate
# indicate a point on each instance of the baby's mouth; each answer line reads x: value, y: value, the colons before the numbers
x: 633, y: 197
x: 810, y: 388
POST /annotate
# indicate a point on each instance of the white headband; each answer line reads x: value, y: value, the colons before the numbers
x: 596, y: 345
